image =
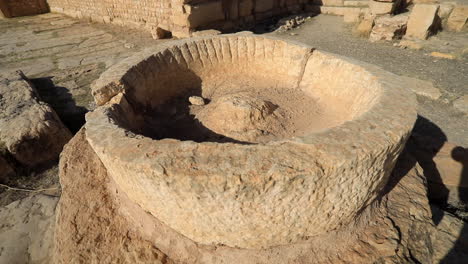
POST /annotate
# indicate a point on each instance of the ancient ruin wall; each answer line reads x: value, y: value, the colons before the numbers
x: 178, y: 16
x: 145, y: 14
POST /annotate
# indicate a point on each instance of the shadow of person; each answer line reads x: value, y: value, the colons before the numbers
x: 459, y: 251
x: 425, y: 141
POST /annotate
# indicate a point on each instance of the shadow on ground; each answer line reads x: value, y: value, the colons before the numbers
x: 61, y: 100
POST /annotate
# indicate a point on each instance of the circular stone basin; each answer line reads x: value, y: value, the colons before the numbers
x: 287, y: 143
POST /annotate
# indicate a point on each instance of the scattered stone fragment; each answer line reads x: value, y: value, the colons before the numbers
x: 410, y: 44
x: 290, y: 22
x: 422, y: 88
x: 389, y: 27
x: 422, y: 21
x: 196, y: 100
x: 204, y: 33
x: 457, y: 20
x: 30, y: 130
x: 27, y: 230
x: 443, y: 55
x: 461, y: 104
x: 159, y: 33
x: 382, y: 8
x: 365, y: 27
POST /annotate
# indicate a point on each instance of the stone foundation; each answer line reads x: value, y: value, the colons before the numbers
x: 181, y: 17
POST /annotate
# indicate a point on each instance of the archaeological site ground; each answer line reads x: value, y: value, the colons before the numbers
x: 234, y: 131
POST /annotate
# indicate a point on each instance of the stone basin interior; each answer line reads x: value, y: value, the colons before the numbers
x: 255, y: 90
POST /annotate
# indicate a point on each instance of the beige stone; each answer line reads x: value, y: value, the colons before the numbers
x: 458, y: 19
x: 461, y: 104
x: 97, y: 223
x: 422, y: 21
x: 364, y: 28
x: 422, y: 88
x: 381, y: 8
x: 159, y: 33
x: 388, y: 27
x: 242, y: 182
x: 196, y: 100
x: 410, y: 44
x: 30, y: 130
x: 360, y: 3
x: 27, y: 230
x: 443, y: 55
x: 352, y: 15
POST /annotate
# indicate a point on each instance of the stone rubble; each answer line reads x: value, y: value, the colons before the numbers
x: 388, y: 27
x: 197, y: 100
x: 30, y: 130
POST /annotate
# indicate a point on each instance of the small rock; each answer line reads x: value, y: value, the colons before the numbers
x: 159, y: 33
x: 352, y: 15
x: 458, y: 18
x: 422, y: 88
x: 444, y: 10
x: 293, y: 34
x: 388, y: 28
x: 290, y: 22
x: 196, y: 100
x: 461, y: 104
x: 421, y: 21
x: 410, y: 44
x: 443, y: 55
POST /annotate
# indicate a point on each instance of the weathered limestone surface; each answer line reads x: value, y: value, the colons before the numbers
x: 27, y: 230
x: 252, y: 195
x: 30, y: 130
x: 389, y: 27
x: 422, y: 21
x: 98, y: 223
x: 458, y: 19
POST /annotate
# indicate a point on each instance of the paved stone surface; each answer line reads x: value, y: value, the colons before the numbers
x: 63, y: 56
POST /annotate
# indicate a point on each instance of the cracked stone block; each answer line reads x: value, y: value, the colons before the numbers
x: 30, y: 130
